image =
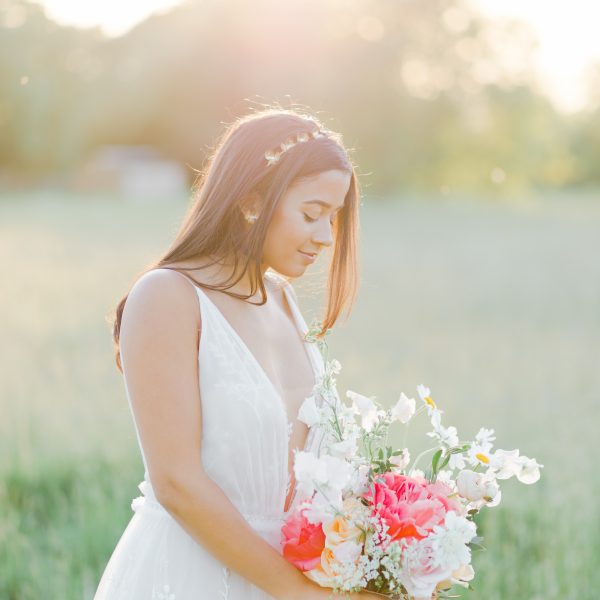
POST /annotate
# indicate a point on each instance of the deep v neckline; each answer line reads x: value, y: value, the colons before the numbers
x: 247, y: 350
x: 296, y: 315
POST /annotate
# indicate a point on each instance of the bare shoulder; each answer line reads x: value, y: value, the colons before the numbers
x: 162, y: 300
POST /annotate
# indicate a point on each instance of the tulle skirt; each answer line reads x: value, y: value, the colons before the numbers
x: 156, y: 559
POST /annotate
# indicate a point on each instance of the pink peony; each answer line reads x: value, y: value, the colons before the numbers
x: 410, y: 506
x: 303, y: 542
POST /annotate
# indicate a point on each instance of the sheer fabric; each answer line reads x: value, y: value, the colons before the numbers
x: 245, y: 438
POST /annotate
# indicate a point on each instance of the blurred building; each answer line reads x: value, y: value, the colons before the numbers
x: 135, y: 172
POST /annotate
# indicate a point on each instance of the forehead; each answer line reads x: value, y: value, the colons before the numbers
x: 328, y: 186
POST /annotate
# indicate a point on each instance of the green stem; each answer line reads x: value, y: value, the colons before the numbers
x: 420, y: 456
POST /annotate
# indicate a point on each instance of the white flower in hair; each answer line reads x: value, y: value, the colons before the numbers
x: 273, y: 156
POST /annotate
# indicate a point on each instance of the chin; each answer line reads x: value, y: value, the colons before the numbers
x: 290, y: 270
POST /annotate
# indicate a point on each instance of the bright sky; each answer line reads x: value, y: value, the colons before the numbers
x: 567, y: 32
x: 113, y: 16
x: 568, y: 42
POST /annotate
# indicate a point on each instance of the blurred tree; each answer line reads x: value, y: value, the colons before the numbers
x: 426, y: 93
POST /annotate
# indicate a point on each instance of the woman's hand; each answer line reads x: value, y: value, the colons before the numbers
x: 313, y: 591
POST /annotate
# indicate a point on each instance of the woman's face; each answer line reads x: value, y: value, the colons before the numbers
x: 303, y: 220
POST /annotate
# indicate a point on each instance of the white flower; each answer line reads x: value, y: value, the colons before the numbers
x: 309, y: 413
x: 476, y: 486
x: 457, y: 461
x: 366, y: 408
x: 485, y: 437
x: 345, y: 449
x: 446, y: 477
x: 400, y: 461
x: 507, y: 463
x: 323, y: 506
x: 448, y: 436
x: 416, y: 473
x: 348, y: 551
x: 420, y: 570
x: 359, y: 480
x: 460, y: 576
x: 404, y: 409
x: 435, y: 414
x: 308, y: 469
x: 334, y: 366
x: 530, y: 470
x: 480, y: 452
x: 449, y: 541
x: 323, y: 478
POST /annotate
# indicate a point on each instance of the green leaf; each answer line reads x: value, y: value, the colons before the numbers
x: 435, y: 459
x: 445, y: 461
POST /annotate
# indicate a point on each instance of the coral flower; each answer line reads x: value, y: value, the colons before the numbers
x: 410, y: 506
x: 303, y: 542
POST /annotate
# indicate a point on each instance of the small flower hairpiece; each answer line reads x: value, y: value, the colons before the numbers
x: 273, y: 156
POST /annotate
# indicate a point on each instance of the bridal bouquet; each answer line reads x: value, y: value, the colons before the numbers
x: 369, y: 519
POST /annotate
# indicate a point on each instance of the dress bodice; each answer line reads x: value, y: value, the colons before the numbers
x: 245, y: 426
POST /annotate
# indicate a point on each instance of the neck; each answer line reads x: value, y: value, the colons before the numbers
x: 224, y: 269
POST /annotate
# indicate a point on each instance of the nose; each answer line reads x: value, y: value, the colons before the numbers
x: 324, y: 235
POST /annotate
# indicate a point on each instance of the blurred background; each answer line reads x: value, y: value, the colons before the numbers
x: 475, y: 127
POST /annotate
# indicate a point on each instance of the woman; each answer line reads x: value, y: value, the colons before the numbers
x: 215, y: 372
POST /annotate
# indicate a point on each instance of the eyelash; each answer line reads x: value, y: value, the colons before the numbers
x: 311, y: 220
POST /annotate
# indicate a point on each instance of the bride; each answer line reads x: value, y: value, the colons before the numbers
x: 210, y: 341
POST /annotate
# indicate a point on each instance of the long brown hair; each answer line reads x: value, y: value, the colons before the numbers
x: 214, y: 226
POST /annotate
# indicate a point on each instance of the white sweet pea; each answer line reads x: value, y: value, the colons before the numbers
x: 366, y: 408
x: 309, y: 413
x: 404, y: 409
x: 308, y: 469
x: 530, y: 470
x: 495, y: 501
x: 507, y: 463
x: 345, y: 449
x: 325, y: 504
x: 328, y: 474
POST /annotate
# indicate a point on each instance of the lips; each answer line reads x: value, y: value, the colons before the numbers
x: 310, y: 256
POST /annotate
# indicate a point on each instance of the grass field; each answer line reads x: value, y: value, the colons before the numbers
x: 494, y: 306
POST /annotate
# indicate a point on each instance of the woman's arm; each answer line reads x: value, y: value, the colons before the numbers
x: 159, y: 352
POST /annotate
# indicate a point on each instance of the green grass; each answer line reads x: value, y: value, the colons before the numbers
x: 493, y: 306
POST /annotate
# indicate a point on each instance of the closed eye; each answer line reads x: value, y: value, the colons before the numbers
x: 311, y: 220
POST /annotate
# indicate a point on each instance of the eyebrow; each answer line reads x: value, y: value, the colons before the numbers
x: 322, y: 203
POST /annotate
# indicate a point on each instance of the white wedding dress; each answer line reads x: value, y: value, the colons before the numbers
x: 245, y: 438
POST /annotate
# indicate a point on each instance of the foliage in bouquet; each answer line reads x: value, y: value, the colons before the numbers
x: 369, y: 519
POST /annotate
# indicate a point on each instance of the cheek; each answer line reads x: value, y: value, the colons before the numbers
x: 287, y: 229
